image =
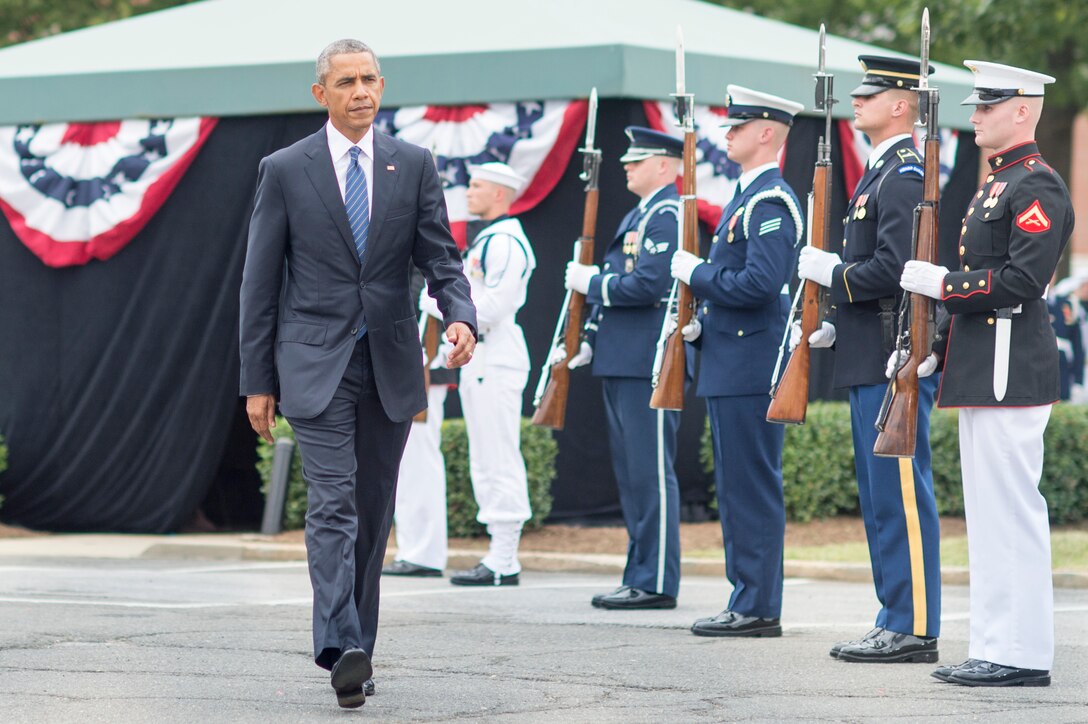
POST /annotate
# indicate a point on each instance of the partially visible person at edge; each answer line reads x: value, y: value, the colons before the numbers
x: 1000, y: 361
x: 896, y: 495
x: 328, y: 329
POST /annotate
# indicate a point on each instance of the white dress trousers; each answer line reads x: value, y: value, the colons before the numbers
x: 420, y: 514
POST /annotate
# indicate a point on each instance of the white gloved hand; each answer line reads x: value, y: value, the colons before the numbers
x: 441, y: 355
x: 928, y: 366
x: 558, y: 354
x: 692, y: 330
x: 428, y: 304
x: 817, y: 265
x: 578, y: 276
x: 921, y: 277
x: 683, y: 264
x: 795, y: 335
x: 584, y: 357
x: 822, y: 337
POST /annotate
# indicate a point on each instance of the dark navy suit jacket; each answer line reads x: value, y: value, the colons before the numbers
x: 305, y: 294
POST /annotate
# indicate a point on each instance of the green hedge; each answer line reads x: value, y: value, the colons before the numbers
x: 538, y: 447
x: 818, y: 463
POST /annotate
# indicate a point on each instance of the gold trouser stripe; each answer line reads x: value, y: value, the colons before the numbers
x: 914, y: 545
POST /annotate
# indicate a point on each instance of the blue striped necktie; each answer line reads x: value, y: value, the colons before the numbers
x: 357, y: 203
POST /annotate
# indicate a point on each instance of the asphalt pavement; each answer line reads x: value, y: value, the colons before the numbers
x: 98, y: 630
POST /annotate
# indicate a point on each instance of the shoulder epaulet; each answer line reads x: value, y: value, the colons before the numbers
x: 775, y: 193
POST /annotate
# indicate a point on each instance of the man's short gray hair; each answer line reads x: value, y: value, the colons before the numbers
x: 341, y: 47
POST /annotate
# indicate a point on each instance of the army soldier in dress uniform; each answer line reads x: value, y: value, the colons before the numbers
x: 896, y: 496
x: 744, y: 300
x: 623, y: 326
x: 498, y: 262
x: 1001, y: 369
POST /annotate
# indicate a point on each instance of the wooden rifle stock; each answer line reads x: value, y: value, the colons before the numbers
x: 898, y: 424
x: 552, y: 410
x: 669, y: 393
x: 789, y: 402
x: 430, y: 351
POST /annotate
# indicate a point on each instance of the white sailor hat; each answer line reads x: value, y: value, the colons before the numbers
x: 744, y: 104
x: 995, y: 83
x: 496, y: 173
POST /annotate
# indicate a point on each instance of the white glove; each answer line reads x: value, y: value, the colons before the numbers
x: 584, y: 357
x: 691, y: 331
x: 817, y: 265
x: 822, y: 337
x: 683, y: 264
x: 578, y: 276
x: 921, y: 277
x: 928, y: 366
x: 428, y: 304
x: 558, y: 355
x: 442, y: 354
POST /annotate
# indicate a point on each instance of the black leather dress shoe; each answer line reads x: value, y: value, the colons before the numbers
x: 596, y: 600
x: 731, y: 623
x: 838, y: 647
x: 404, y: 568
x: 368, y: 687
x: 888, y: 647
x: 943, y: 672
x: 985, y: 673
x: 481, y: 575
x: 636, y: 598
x: 349, y: 673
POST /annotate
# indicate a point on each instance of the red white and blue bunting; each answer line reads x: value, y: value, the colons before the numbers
x: 536, y: 138
x: 73, y: 192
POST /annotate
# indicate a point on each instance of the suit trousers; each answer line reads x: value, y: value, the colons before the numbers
x: 420, y: 516
x: 643, y: 445
x: 1008, y: 535
x: 351, y: 454
x: 748, y: 478
x: 900, y: 515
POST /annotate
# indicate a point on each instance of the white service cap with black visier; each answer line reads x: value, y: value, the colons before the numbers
x: 497, y: 173
x: 744, y: 104
x: 995, y: 83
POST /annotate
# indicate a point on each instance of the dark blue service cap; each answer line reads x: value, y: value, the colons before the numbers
x: 646, y: 142
x: 884, y: 73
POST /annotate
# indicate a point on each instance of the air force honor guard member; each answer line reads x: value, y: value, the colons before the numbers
x: 896, y: 496
x: 499, y: 262
x: 744, y: 301
x: 624, y: 324
x: 1001, y: 369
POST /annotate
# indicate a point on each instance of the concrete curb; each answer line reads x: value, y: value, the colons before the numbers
x: 249, y: 547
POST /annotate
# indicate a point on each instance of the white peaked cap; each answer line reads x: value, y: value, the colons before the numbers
x: 995, y: 82
x: 497, y: 173
x: 744, y: 104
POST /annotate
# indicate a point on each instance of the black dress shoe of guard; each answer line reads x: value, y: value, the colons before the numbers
x: 368, y: 687
x: 985, y: 673
x: 349, y: 673
x: 404, y: 568
x: 636, y: 598
x: 596, y: 600
x: 731, y: 623
x: 889, y: 647
x: 943, y: 672
x: 838, y: 647
x: 481, y: 575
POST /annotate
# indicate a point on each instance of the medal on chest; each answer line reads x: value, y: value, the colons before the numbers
x: 995, y: 193
x: 630, y: 243
x: 732, y: 223
x: 859, y: 208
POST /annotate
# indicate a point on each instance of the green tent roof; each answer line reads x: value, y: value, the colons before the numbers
x: 250, y: 57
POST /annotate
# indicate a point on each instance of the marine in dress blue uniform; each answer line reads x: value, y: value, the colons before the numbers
x: 1000, y: 362
x: 628, y: 296
x: 896, y: 495
x: 743, y: 304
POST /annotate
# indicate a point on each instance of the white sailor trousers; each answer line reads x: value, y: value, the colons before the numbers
x: 420, y: 515
x: 1008, y: 535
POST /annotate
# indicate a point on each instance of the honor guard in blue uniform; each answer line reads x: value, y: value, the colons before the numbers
x: 1066, y: 317
x: 1001, y: 369
x: 629, y: 296
x: 743, y: 298
x: 896, y: 496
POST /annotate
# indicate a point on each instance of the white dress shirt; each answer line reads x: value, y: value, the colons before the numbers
x: 340, y: 150
x: 748, y: 177
x: 883, y: 147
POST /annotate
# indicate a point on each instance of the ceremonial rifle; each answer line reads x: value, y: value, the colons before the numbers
x: 898, y: 419
x: 553, y: 388
x: 789, y: 394
x: 428, y: 338
x: 670, y: 367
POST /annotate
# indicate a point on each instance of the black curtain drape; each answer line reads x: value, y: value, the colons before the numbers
x: 118, y: 379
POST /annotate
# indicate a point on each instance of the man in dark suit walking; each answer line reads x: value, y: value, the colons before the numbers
x: 328, y: 325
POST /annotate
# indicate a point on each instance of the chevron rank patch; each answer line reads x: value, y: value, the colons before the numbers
x: 653, y: 247
x: 770, y: 225
x: 1034, y: 220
